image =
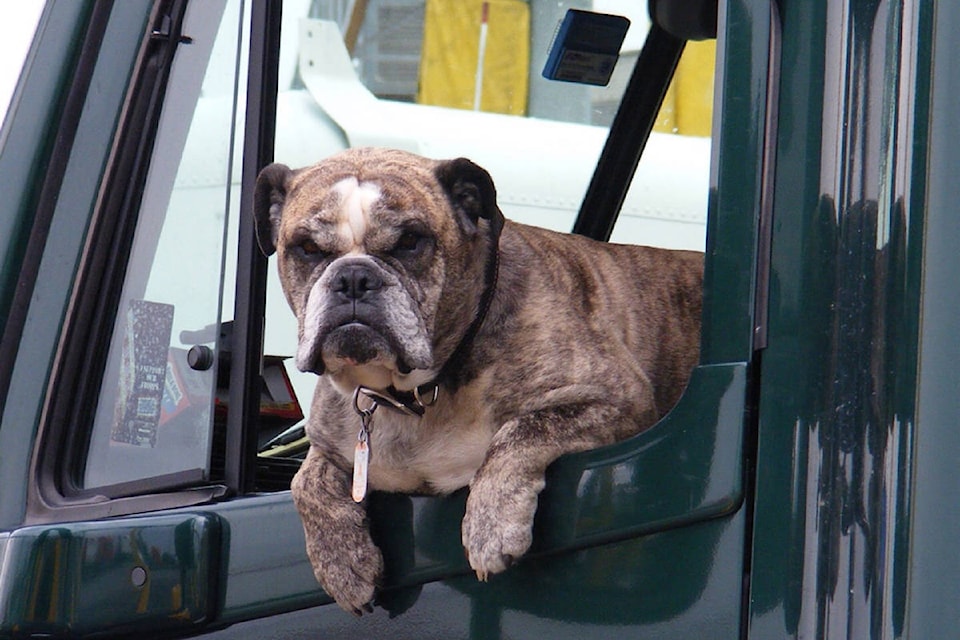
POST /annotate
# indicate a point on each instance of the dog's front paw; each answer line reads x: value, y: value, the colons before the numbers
x: 346, y: 562
x: 498, y: 524
x: 349, y: 570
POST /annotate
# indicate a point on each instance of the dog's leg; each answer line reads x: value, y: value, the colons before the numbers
x: 345, y: 560
x: 498, y: 524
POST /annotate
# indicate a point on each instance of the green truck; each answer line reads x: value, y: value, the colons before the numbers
x: 805, y: 486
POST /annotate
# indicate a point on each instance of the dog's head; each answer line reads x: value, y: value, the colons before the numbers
x: 381, y: 254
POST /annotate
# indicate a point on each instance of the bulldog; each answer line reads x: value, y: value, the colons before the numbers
x: 455, y: 348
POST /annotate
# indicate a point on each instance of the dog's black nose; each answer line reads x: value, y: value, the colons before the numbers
x: 355, y: 281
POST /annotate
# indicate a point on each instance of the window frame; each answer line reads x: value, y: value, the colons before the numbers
x: 54, y: 492
x: 251, y: 281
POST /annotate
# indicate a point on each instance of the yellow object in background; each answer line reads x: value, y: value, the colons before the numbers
x: 451, y: 44
x: 688, y: 106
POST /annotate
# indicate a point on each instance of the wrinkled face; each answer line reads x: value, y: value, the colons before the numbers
x: 374, y: 248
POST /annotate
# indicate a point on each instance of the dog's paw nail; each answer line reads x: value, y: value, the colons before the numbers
x: 364, y: 608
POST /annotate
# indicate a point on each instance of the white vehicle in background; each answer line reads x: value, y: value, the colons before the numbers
x: 541, y: 167
x: 541, y: 163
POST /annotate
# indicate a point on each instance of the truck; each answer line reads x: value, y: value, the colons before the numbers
x: 151, y: 419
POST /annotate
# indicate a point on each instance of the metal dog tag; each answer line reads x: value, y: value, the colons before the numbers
x: 361, y: 453
x: 361, y: 456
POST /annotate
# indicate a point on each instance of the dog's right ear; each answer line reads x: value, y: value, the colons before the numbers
x: 268, y: 198
x: 470, y: 191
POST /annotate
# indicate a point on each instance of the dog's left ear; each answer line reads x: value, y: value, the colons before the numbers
x: 470, y: 190
x: 268, y: 198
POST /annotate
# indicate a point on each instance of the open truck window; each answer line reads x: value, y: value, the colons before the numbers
x: 445, y: 79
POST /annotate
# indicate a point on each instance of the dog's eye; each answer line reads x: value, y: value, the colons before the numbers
x: 309, y: 249
x: 408, y: 243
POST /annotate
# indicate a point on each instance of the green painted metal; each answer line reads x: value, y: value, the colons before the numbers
x: 669, y: 585
x: 928, y: 560
x: 838, y: 418
x: 265, y: 570
x: 636, y: 588
x: 143, y: 575
x: 743, y: 61
x: 685, y: 469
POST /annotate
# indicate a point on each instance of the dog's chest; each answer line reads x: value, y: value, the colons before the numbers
x: 438, y: 453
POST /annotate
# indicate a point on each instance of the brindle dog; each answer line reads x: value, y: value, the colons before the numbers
x: 496, y: 348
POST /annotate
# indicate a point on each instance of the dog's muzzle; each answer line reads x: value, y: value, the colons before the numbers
x: 358, y: 313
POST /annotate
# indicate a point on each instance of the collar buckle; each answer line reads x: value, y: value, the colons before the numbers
x: 413, y: 403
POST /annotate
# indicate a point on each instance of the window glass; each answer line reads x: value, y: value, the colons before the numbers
x: 430, y: 76
x: 156, y: 409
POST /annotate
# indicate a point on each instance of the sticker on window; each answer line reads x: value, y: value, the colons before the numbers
x: 143, y: 370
